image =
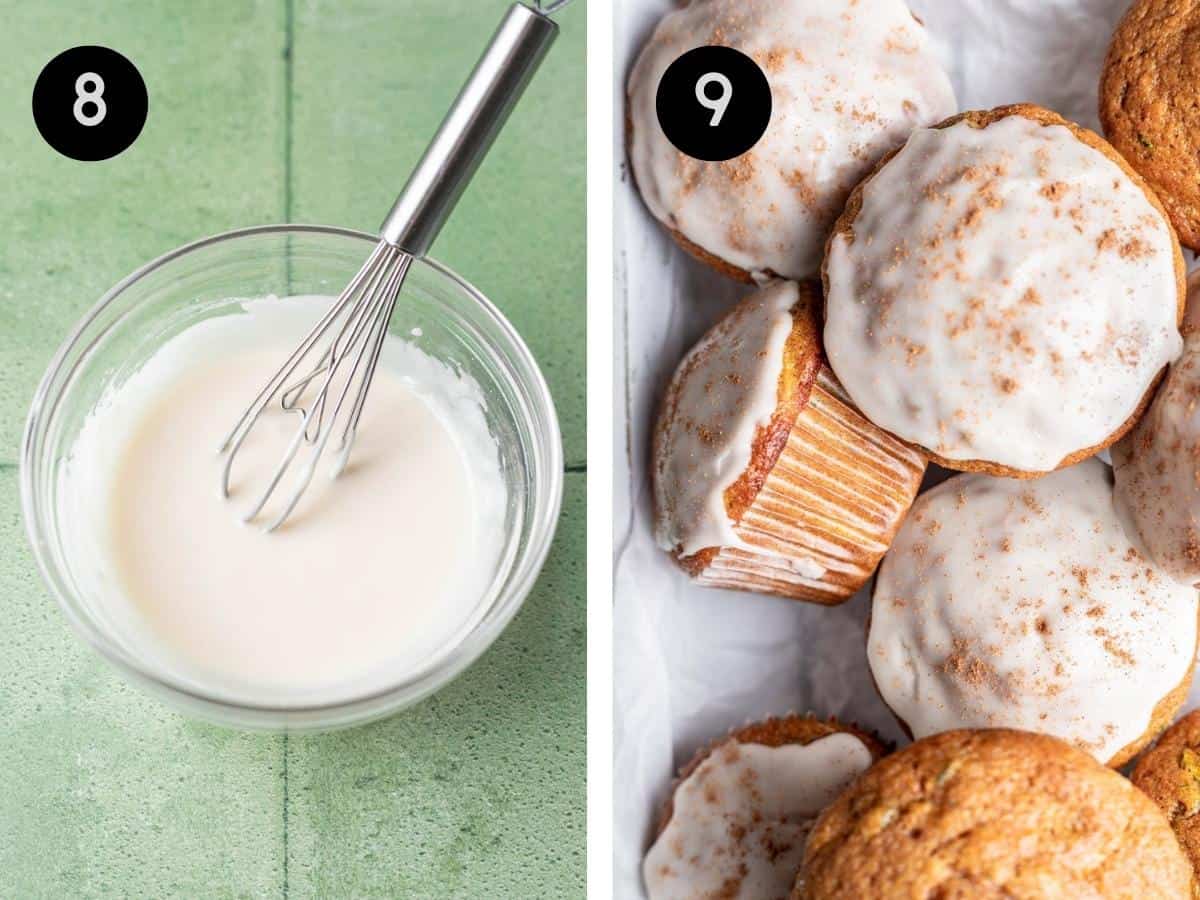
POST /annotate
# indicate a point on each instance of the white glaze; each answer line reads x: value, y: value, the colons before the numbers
x: 375, y: 573
x: 1022, y: 604
x: 725, y: 390
x: 740, y: 820
x: 1157, y: 465
x: 849, y: 80
x: 1010, y: 295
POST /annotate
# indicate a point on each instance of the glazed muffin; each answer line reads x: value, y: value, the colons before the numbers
x: 849, y: 79
x: 1169, y: 774
x: 1148, y: 104
x: 1023, y: 604
x: 1157, y: 465
x: 739, y: 813
x: 994, y: 813
x: 1005, y: 292
x: 765, y: 476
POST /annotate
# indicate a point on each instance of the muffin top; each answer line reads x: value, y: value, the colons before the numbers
x: 727, y: 412
x: 741, y: 811
x: 1158, y: 464
x: 1169, y: 774
x: 1148, y: 104
x: 849, y: 80
x: 992, y: 813
x: 1003, y: 292
x: 1023, y: 604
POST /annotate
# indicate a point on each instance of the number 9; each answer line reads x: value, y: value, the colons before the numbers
x: 719, y: 104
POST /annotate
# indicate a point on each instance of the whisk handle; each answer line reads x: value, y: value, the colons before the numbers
x: 470, y: 127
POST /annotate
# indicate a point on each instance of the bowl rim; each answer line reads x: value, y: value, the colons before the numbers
x: 422, y: 683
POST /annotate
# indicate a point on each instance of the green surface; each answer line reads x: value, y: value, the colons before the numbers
x: 261, y: 112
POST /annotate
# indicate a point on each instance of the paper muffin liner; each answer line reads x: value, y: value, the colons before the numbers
x: 827, y: 511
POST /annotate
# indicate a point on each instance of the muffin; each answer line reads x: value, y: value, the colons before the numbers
x: 849, y: 79
x: 1148, y: 104
x: 1169, y: 774
x: 1022, y: 604
x: 1157, y: 465
x: 765, y: 476
x: 992, y: 813
x: 1005, y: 292
x: 739, y: 813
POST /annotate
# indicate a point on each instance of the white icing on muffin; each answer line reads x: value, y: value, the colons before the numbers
x: 727, y: 388
x: 1022, y: 604
x: 1158, y: 464
x: 1009, y: 295
x: 850, y: 79
x: 740, y: 820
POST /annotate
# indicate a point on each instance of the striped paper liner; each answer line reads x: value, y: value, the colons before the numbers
x: 827, y: 511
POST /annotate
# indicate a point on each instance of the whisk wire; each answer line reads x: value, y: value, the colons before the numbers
x: 347, y: 439
x: 333, y: 356
x: 369, y: 332
x: 237, y: 435
x: 358, y: 322
x: 289, y: 396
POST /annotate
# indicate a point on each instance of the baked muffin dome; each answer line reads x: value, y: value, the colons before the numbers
x: 741, y: 810
x: 1169, y: 774
x: 1004, y: 291
x: 995, y: 813
x: 1148, y: 104
x: 765, y: 477
x: 849, y: 80
x: 1023, y: 604
x: 1157, y: 465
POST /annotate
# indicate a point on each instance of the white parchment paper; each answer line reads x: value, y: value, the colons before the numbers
x: 692, y: 663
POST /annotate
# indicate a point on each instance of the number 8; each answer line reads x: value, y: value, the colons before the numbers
x: 721, y: 103
x: 84, y: 95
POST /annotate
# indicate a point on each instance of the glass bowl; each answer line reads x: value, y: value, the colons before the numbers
x: 455, y: 323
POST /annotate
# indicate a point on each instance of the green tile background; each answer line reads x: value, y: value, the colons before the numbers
x: 262, y: 111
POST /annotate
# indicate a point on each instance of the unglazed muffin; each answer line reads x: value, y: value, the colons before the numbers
x: 765, y: 477
x: 1169, y: 774
x: 1005, y: 292
x: 849, y: 81
x: 992, y: 814
x: 1023, y: 604
x: 739, y: 814
x: 1148, y: 104
x: 1157, y: 465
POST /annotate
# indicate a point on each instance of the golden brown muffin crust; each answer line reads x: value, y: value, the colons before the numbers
x: 992, y: 813
x: 729, y: 270
x: 981, y: 119
x: 1148, y: 104
x: 1170, y: 776
x: 802, y: 360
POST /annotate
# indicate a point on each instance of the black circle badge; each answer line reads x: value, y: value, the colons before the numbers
x: 714, y: 103
x: 90, y: 103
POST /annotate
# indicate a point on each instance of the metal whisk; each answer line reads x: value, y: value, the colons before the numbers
x: 352, y: 332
